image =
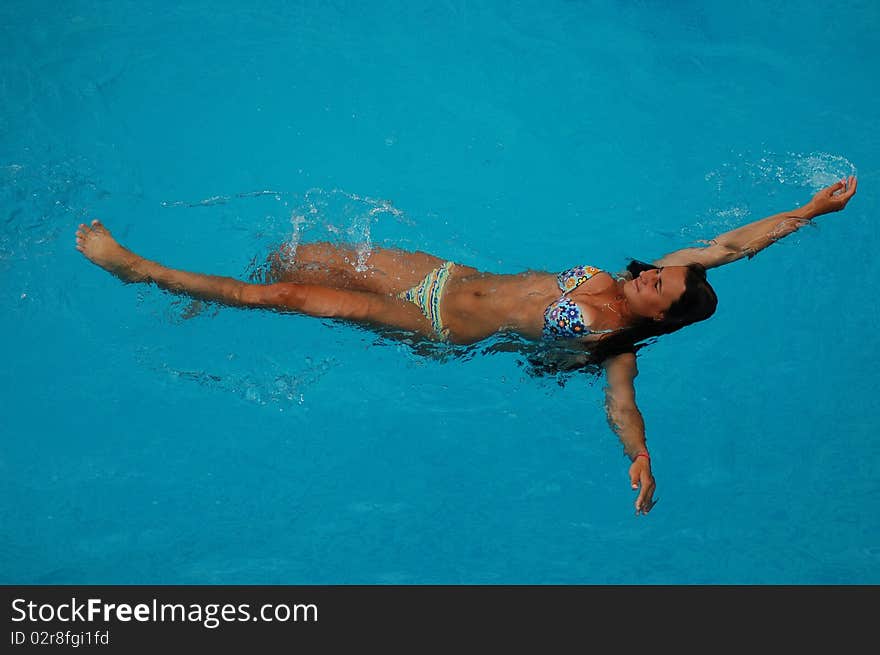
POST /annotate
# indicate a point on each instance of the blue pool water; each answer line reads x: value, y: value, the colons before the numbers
x: 141, y: 444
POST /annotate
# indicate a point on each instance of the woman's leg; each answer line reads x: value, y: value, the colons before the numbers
x: 387, y: 271
x: 322, y: 263
x: 99, y: 246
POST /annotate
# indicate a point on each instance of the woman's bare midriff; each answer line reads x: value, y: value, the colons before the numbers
x: 476, y: 305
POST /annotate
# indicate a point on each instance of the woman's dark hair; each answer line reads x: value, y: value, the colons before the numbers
x: 697, y: 303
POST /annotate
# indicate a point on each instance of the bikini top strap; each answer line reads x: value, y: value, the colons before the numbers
x: 571, y: 279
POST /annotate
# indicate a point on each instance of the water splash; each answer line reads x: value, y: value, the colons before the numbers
x: 274, y: 385
x: 40, y: 206
x: 737, y: 183
x: 207, y: 202
x: 343, y: 217
x: 318, y: 214
x: 814, y: 171
x: 220, y: 200
x: 40, y: 202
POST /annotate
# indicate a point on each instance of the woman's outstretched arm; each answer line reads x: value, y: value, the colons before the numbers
x: 749, y: 240
x: 626, y: 420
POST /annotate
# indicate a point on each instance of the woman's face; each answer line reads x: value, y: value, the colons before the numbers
x: 653, y: 292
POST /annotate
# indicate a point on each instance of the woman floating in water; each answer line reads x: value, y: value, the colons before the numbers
x: 607, y: 315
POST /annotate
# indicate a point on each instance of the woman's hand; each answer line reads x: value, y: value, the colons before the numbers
x: 834, y: 198
x: 641, y: 478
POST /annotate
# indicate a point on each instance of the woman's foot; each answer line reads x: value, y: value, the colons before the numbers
x: 98, y: 245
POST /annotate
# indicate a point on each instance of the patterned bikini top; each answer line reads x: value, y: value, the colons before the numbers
x: 563, y: 319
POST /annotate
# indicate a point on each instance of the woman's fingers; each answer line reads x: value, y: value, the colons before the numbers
x: 853, y: 183
x: 634, y: 483
x: 837, y: 186
x: 644, y: 502
x: 839, y: 193
x: 850, y: 190
x: 640, y: 478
